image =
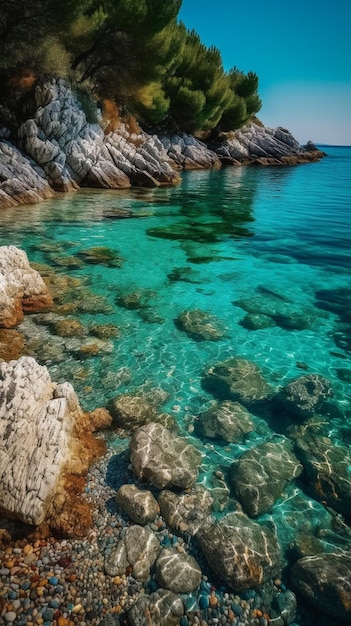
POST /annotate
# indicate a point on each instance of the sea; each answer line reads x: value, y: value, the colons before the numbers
x: 234, y: 244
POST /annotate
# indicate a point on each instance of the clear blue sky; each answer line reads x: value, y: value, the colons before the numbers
x: 301, y: 52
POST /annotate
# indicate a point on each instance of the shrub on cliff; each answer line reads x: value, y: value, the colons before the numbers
x: 134, y: 52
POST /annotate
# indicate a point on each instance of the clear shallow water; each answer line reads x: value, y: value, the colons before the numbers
x: 281, y: 233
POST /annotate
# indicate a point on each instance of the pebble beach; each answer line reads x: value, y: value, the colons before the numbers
x: 53, y: 582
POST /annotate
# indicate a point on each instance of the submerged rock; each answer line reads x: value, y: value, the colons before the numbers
x: 131, y: 411
x: 270, y: 308
x: 186, y: 513
x: 226, y: 420
x: 162, y: 458
x: 101, y: 256
x: 327, y: 468
x: 305, y: 396
x: 200, y: 325
x: 237, y: 379
x: 177, y: 571
x: 260, y: 475
x: 137, y: 549
x: 163, y: 607
x: 21, y: 288
x: 240, y: 552
x: 324, y: 580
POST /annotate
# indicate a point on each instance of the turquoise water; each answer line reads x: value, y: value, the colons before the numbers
x: 279, y: 235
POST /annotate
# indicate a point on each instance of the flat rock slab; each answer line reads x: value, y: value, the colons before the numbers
x: 162, y: 458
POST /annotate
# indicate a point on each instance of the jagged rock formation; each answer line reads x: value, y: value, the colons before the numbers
x: 21, y: 287
x: 46, y: 449
x: 58, y: 149
x: 256, y: 143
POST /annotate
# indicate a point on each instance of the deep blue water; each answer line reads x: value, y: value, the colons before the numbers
x: 218, y: 238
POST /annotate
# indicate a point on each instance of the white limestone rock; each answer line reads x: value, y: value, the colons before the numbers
x: 36, y: 420
x: 21, y: 287
x: 21, y: 182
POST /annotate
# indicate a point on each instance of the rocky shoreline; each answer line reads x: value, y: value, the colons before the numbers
x: 58, y: 150
x: 116, y: 530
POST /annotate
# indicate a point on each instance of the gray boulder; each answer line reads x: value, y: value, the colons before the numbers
x: 188, y: 512
x: 240, y: 552
x: 305, y: 396
x: 139, y: 504
x: 226, y: 420
x: 162, y: 458
x: 137, y: 549
x: 161, y: 608
x: 177, y: 571
x: 259, y: 476
x: 239, y: 380
x: 324, y: 580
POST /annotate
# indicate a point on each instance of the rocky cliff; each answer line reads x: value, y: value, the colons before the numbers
x: 57, y: 149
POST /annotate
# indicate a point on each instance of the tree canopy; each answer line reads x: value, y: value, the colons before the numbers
x: 133, y: 52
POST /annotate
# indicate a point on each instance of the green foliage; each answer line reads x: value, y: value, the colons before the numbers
x: 133, y: 52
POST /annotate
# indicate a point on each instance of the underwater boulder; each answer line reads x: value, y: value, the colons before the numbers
x: 226, y: 420
x: 177, y: 571
x: 131, y: 411
x: 138, y: 549
x: 242, y: 553
x: 305, y: 396
x: 200, y: 325
x: 259, y: 475
x: 327, y: 469
x: 324, y: 580
x: 162, y: 458
x: 165, y: 607
x: 188, y: 512
x: 239, y: 380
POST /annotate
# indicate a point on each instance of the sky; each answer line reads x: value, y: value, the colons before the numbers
x: 301, y: 52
